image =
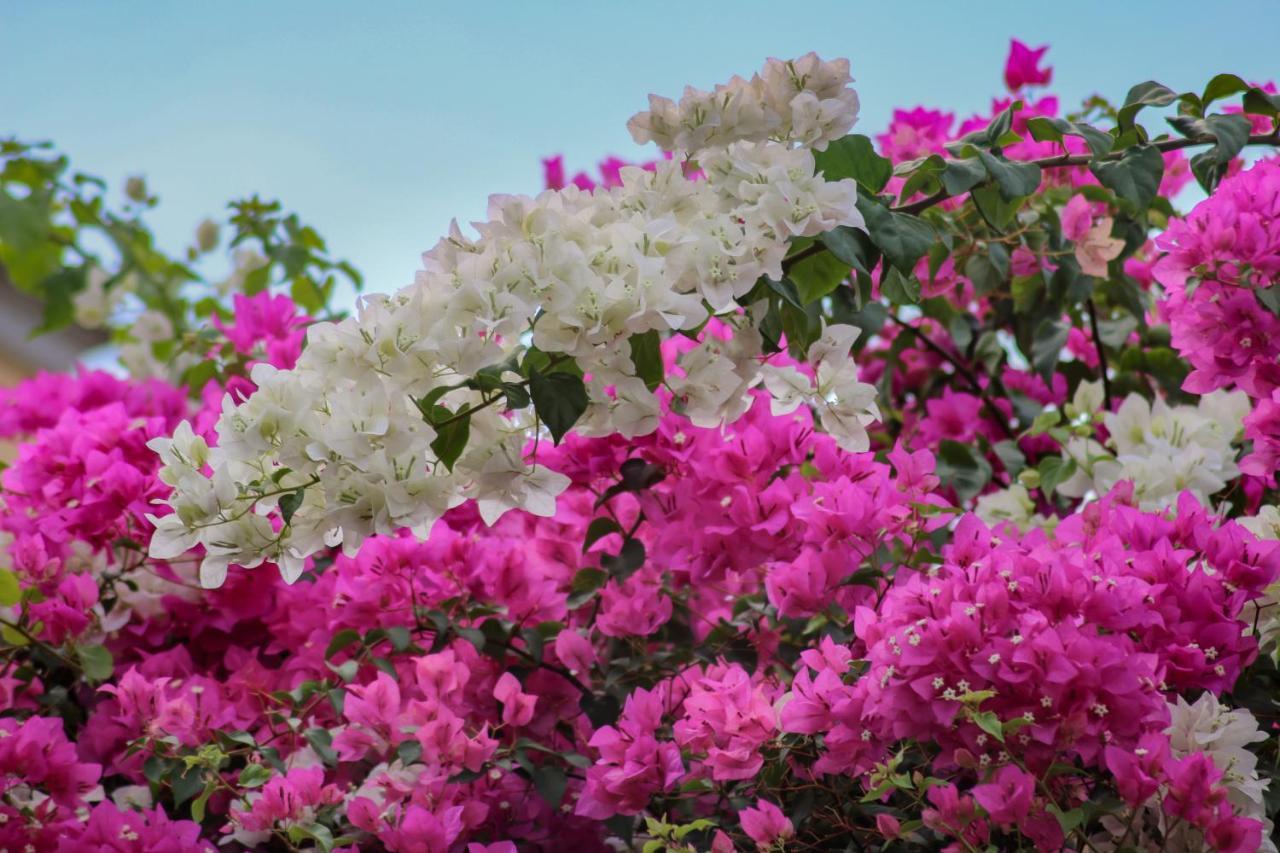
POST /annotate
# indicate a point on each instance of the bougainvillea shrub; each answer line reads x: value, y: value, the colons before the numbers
x: 795, y: 489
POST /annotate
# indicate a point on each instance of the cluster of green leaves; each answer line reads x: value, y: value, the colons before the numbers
x: 60, y: 227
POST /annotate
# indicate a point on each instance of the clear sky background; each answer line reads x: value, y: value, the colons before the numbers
x: 379, y: 121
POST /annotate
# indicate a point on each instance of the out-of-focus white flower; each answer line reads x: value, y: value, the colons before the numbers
x: 1164, y: 450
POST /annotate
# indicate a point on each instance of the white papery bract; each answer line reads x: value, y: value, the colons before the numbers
x: 1164, y: 450
x: 338, y: 448
x: 806, y: 101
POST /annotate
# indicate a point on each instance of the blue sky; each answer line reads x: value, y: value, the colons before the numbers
x: 380, y: 121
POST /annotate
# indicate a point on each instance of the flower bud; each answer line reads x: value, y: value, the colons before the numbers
x: 1029, y: 478
x: 136, y: 188
x: 207, y: 235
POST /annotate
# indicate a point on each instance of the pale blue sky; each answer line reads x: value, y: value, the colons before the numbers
x: 379, y: 121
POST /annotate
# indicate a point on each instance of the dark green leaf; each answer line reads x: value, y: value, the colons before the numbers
x: 900, y: 289
x: 646, y: 357
x: 995, y: 209
x: 1054, y: 471
x: 1049, y: 338
x: 855, y: 157
x: 902, y: 238
x: 852, y: 246
x: 1135, y: 177
x: 960, y: 176
x: 340, y: 641
x: 550, y: 783
x: 322, y: 742
x: 289, y: 504
x: 1050, y: 129
x: 586, y: 583
x: 963, y: 468
x: 817, y: 275
x: 597, y: 530
x: 453, y: 431
x: 253, y: 775
x: 1270, y: 298
x: 1221, y: 86
x: 185, y: 785
x: 559, y: 399
x: 1148, y: 94
x: 1014, y: 180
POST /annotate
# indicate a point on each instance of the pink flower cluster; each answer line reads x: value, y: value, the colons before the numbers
x: 1215, y: 262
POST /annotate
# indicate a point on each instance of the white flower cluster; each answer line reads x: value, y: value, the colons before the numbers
x: 339, y: 444
x: 803, y: 100
x: 1164, y: 450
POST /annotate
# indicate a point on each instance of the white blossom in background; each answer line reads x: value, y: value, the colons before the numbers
x: 338, y: 444
x: 1164, y: 450
x: 1013, y: 505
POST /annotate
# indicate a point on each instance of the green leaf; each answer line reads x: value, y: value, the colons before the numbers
x: 995, y: 209
x: 186, y: 784
x: 854, y: 156
x: 1135, y: 177
x: 1011, y: 456
x: 1148, y: 94
x: 1231, y: 133
x: 900, y: 289
x: 559, y: 399
x: 1050, y: 129
x: 10, y: 592
x: 200, y: 802
x: 340, y: 641
x: 597, y: 530
x: 960, y: 176
x: 852, y: 246
x: 1046, y: 346
x: 982, y: 272
x: 1014, y: 180
x: 453, y: 431
x: 253, y: 775
x: 1054, y: 471
x: 409, y: 751
x: 989, y: 351
x: 96, y: 662
x: 963, y: 468
x: 322, y: 742
x: 1067, y: 820
x: 646, y: 357
x: 817, y: 275
x: 989, y: 723
x: 400, y: 638
x: 993, y: 133
x: 1222, y: 86
x: 1268, y: 296
x: 289, y: 504
x: 550, y: 782
x: 586, y: 583
x: 902, y: 238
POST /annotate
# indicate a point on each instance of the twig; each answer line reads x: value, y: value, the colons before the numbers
x: 964, y: 372
x: 1102, y: 352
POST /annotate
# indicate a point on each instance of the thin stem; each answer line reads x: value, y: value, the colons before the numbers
x: 1102, y: 352
x: 967, y: 374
